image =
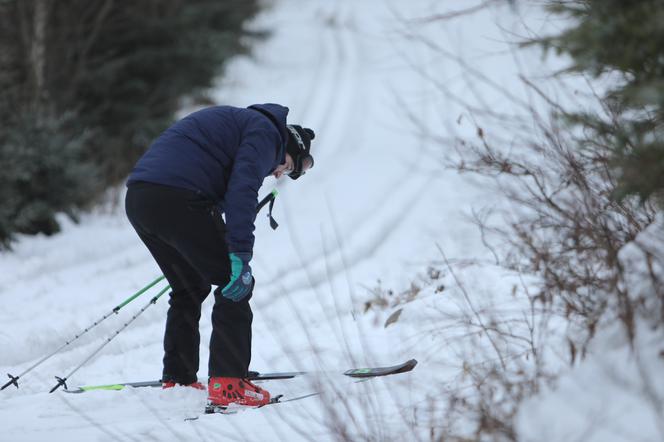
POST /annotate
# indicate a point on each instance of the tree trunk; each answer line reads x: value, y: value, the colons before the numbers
x: 38, y: 49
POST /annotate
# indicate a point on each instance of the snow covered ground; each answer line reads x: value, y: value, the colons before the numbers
x: 372, y: 213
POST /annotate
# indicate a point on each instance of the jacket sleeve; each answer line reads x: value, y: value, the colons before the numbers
x: 253, y: 161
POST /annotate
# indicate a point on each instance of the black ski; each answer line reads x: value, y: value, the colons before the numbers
x: 373, y: 372
x: 368, y: 372
x: 254, y: 376
x: 362, y: 374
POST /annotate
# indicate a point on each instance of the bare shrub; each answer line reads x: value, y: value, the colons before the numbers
x: 559, y: 220
x: 564, y: 225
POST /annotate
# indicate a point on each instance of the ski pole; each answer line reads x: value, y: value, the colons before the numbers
x: 13, y: 380
x: 63, y: 381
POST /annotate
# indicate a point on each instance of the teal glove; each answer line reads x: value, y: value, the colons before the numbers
x: 241, y: 278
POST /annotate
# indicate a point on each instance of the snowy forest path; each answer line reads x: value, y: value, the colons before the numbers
x: 365, y: 212
x: 337, y: 107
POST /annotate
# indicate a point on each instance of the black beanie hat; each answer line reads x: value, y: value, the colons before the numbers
x: 299, y: 140
x: 298, y: 147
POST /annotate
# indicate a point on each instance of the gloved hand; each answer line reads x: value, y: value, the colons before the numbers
x: 241, y: 278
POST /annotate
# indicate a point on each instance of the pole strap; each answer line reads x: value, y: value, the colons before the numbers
x: 269, y: 198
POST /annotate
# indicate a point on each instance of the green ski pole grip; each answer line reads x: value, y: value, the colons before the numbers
x: 138, y: 293
x: 161, y: 292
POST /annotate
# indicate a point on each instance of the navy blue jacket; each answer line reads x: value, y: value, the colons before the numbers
x: 224, y: 153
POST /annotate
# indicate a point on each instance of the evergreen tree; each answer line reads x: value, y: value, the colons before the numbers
x: 42, y: 174
x: 624, y: 39
x: 87, y: 85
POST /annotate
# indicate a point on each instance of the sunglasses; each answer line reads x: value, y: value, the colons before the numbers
x: 301, y: 164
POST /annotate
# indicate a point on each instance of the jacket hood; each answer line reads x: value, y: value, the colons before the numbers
x: 277, y: 114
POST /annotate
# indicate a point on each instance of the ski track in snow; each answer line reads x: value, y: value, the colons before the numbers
x: 333, y: 112
x: 369, y: 209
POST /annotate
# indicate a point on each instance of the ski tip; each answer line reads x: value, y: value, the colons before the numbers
x: 382, y: 371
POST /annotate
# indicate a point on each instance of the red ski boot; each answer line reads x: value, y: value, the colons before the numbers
x: 171, y: 384
x: 223, y: 392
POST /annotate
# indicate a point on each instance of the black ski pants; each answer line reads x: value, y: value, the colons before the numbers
x: 185, y: 234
